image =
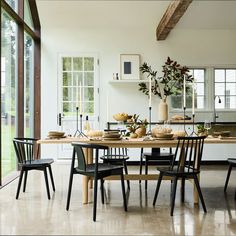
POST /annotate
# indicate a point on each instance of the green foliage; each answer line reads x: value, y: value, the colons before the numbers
x: 136, y: 123
x: 171, y: 83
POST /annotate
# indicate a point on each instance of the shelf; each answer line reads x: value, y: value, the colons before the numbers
x: 131, y: 81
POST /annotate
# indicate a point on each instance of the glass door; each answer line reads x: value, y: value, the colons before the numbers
x: 78, y: 90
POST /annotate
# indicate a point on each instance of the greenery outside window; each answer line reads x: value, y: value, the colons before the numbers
x: 28, y: 86
x: 8, y: 93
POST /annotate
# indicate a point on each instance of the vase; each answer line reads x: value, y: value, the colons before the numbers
x: 163, y: 110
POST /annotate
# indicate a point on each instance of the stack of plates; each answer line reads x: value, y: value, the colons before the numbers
x: 56, y: 134
x: 164, y: 136
x: 111, y: 135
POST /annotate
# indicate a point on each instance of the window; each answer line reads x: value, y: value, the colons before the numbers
x: 78, y: 85
x: 20, y: 79
x: 8, y: 93
x: 225, y: 88
x: 200, y: 93
x: 28, y: 86
x: 199, y: 83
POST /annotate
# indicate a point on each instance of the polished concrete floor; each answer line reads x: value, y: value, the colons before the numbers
x: 34, y: 214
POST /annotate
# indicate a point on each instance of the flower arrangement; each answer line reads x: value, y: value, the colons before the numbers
x: 137, y: 126
x: 172, y: 81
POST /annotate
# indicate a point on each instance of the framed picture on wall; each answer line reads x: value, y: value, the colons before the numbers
x: 129, y: 66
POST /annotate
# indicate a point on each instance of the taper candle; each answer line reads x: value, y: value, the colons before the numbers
x: 184, y: 92
x: 150, y: 92
x: 193, y: 99
x: 80, y: 98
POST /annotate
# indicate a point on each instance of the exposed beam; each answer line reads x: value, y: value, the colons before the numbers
x: 174, y: 12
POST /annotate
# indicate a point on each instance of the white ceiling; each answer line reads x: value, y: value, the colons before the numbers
x: 129, y: 14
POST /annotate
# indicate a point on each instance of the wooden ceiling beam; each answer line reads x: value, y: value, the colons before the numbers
x: 174, y: 12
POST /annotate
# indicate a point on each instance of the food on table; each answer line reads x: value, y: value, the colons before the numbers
x: 95, y: 133
x: 160, y: 130
x: 180, y: 133
x: 121, y: 116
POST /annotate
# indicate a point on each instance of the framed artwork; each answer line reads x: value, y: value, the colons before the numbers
x: 129, y: 66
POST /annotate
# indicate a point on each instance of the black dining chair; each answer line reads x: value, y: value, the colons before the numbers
x: 232, y: 163
x: 116, y: 156
x: 185, y: 165
x: 96, y: 171
x: 154, y: 156
x: 27, y: 151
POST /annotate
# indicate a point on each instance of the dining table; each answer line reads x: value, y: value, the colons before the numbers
x: 128, y: 143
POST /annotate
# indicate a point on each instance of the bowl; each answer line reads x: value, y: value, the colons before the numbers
x: 120, y: 117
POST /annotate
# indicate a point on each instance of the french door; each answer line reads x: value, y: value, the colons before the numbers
x: 77, y: 91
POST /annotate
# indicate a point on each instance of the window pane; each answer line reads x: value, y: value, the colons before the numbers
x: 27, y: 15
x: 219, y: 88
x: 88, y: 64
x: 13, y: 4
x: 28, y: 86
x: 231, y: 88
x: 200, y: 102
x: 66, y: 64
x: 219, y: 75
x: 199, y: 75
x: 231, y: 76
x: 78, y: 63
x: 89, y: 108
x: 77, y: 78
x: 220, y: 105
x: 8, y: 92
x: 88, y: 79
x: 88, y: 94
x: 67, y: 79
x: 200, y: 88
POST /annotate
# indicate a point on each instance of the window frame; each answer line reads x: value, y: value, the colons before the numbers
x: 22, y: 26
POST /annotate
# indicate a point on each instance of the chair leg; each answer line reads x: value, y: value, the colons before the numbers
x: 200, y: 193
x: 19, y: 183
x: 227, y: 178
x: 95, y: 198
x: 173, y: 195
x: 102, y: 190
x: 69, y: 190
x: 46, y: 182
x: 51, y: 176
x: 25, y: 180
x: 182, y: 189
x: 157, y: 188
x: 146, y: 171
x: 126, y: 172
x: 141, y: 164
x: 123, y: 191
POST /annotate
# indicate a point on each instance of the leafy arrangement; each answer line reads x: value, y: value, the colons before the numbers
x: 170, y: 83
x: 136, y: 123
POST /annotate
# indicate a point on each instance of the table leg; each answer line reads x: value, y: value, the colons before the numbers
x: 85, y: 179
x: 90, y: 161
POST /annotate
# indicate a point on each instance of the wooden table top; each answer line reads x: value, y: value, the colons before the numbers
x: 138, y: 142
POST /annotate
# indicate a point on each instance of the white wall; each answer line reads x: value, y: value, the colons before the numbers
x: 188, y: 47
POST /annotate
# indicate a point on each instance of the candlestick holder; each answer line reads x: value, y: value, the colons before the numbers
x: 184, y: 122
x: 193, y: 132
x: 79, y: 132
x: 150, y: 121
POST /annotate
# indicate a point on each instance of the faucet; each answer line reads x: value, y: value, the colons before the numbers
x: 214, y: 111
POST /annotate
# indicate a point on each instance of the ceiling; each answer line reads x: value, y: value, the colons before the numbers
x: 134, y: 14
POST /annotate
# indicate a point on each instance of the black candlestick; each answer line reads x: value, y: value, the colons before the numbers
x: 193, y: 132
x: 150, y: 121
x: 184, y: 121
x: 80, y: 132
